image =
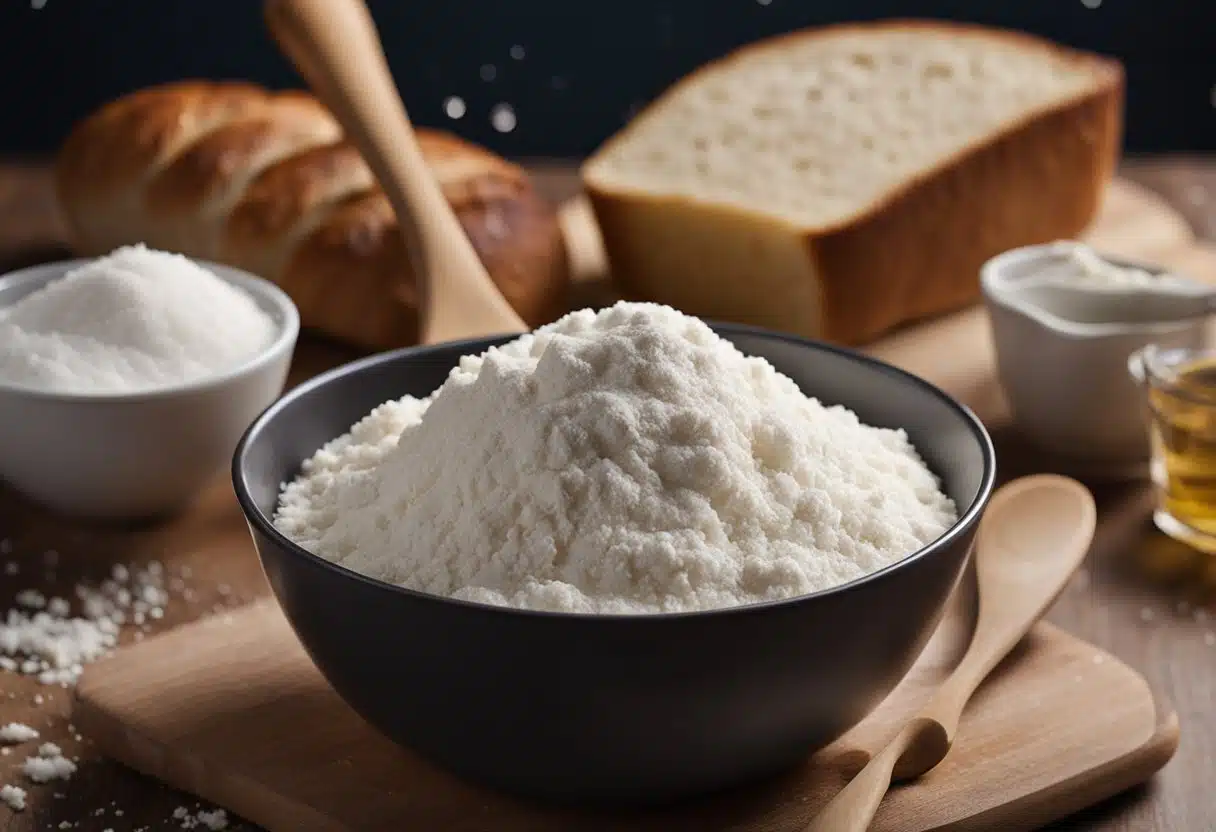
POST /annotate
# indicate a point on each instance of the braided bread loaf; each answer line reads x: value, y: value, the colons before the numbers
x: 264, y: 181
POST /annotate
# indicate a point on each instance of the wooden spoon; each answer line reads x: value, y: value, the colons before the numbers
x: 1033, y: 537
x: 334, y: 45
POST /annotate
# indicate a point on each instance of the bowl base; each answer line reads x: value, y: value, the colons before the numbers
x: 622, y: 797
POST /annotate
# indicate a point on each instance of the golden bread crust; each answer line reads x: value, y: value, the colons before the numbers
x: 913, y: 254
x: 264, y: 181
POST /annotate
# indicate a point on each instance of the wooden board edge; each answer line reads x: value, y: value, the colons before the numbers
x: 1025, y: 815
x: 254, y: 801
x: 127, y: 746
x: 1057, y: 802
x: 1087, y: 789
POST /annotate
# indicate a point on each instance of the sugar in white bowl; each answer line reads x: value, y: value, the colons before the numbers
x: 125, y: 382
x: 137, y: 319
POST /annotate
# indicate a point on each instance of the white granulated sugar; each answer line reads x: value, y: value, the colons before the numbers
x: 203, y: 819
x: 630, y: 461
x: 62, y: 644
x: 137, y: 319
x: 17, y: 732
x: 54, y: 645
x: 45, y: 769
x: 13, y: 796
x: 49, y: 764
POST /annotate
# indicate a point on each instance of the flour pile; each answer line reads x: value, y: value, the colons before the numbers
x: 626, y: 461
x: 134, y: 320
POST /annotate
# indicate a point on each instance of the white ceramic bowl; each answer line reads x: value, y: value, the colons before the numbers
x: 136, y: 455
x: 1067, y: 382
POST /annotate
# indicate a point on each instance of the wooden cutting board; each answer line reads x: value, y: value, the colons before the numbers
x: 231, y: 709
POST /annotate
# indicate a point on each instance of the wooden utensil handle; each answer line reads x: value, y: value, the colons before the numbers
x: 853, y: 808
x: 334, y: 45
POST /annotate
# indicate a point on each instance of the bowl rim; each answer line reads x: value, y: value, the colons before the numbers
x: 997, y: 293
x: 261, y: 523
x: 287, y: 324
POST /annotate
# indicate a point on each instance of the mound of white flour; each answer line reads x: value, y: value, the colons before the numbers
x: 630, y: 461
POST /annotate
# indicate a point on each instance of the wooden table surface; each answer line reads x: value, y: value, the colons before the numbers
x: 1151, y: 603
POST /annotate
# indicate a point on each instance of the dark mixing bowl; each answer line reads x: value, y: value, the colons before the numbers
x: 614, y: 709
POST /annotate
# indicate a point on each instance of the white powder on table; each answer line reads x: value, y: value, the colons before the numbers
x: 134, y: 320
x: 53, y: 645
x: 630, y: 461
x: 215, y: 820
x: 13, y: 797
x: 49, y: 764
x: 17, y: 732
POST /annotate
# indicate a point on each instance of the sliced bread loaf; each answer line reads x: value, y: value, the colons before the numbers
x: 841, y: 181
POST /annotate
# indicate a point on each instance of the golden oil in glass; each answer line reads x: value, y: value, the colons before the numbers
x: 1181, y: 390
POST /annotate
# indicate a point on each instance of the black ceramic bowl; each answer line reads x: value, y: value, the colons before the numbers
x: 614, y: 709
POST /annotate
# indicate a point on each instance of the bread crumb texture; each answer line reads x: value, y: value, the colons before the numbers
x: 820, y: 127
x: 626, y: 461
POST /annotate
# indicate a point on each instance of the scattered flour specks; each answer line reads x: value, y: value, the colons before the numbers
x: 502, y: 118
x: 211, y: 819
x: 47, y: 767
x: 17, y: 732
x: 44, y: 638
x: 13, y: 796
x: 454, y: 107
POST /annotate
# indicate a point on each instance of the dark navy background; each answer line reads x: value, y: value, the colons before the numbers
x: 585, y: 65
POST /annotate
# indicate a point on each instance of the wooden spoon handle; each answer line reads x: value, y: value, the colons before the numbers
x: 854, y: 806
x: 1034, y: 535
x: 334, y: 45
x: 1021, y: 569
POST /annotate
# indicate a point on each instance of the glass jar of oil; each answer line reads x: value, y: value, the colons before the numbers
x: 1180, y: 391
